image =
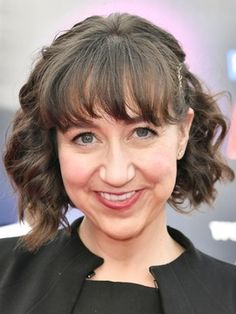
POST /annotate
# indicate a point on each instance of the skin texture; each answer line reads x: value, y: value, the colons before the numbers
x: 116, y: 157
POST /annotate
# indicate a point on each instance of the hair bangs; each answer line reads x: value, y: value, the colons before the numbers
x: 114, y: 77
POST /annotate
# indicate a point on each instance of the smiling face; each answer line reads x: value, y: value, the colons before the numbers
x: 121, y: 174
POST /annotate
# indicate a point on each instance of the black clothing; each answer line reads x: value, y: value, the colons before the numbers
x: 50, y: 280
x: 106, y: 297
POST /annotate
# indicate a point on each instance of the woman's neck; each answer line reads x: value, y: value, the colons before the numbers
x: 129, y: 260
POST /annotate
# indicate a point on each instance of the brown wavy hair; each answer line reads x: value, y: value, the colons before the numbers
x: 91, y: 68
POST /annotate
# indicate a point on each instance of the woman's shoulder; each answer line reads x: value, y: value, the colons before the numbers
x: 216, y: 269
x: 13, y: 246
x: 13, y: 251
x: 8, y: 247
x: 203, y: 266
x: 15, y: 259
x: 216, y: 277
x: 208, y: 283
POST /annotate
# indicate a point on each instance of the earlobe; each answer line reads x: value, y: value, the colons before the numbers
x: 180, y: 154
x: 185, y: 127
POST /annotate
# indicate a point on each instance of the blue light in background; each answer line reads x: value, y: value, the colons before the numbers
x: 231, y: 63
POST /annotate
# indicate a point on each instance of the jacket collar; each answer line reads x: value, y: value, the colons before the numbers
x: 180, y: 287
x: 181, y: 282
x: 68, y: 275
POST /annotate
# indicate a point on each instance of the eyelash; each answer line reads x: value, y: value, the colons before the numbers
x: 153, y: 132
x: 79, y: 136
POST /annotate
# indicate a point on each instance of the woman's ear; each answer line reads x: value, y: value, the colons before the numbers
x: 184, y: 129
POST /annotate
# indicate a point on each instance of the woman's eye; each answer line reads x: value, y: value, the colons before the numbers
x: 84, y: 138
x: 144, y: 132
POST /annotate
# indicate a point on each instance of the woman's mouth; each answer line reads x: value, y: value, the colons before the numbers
x: 117, y: 197
x: 119, y: 201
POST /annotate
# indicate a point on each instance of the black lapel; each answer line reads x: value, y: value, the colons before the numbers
x: 181, y: 282
x: 173, y: 297
x: 68, y: 275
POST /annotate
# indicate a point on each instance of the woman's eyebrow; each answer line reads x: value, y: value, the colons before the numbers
x: 84, y: 124
x: 134, y: 120
x: 80, y: 124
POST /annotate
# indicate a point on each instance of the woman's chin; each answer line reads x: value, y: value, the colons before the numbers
x: 122, y: 233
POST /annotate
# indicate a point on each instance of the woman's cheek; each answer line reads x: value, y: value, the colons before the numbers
x: 160, y: 168
x: 76, y: 170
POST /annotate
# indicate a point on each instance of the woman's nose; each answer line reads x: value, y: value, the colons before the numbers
x: 117, y: 168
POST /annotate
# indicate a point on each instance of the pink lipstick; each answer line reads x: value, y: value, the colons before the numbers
x: 119, y: 201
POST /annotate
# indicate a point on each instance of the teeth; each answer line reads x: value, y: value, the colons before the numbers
x: 115, y: 197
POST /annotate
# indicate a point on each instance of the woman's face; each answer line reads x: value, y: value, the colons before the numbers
x: 120, y: 174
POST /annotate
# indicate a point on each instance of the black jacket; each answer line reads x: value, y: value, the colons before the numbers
x: 50, y: 281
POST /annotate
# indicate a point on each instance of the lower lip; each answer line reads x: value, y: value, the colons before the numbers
x: 119, y: 205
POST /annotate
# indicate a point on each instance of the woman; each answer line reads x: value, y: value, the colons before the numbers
x: 113, y: 122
